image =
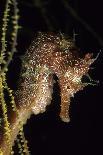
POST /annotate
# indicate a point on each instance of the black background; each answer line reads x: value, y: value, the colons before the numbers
x: 46, y: 133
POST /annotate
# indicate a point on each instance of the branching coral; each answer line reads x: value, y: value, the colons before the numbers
x: 5, y: 59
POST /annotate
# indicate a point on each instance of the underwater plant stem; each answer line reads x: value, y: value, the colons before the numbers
x: 15, y: 127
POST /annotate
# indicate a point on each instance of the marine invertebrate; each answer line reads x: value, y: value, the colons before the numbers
x: 48, y: 54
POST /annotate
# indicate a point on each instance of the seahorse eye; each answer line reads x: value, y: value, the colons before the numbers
x: 68, y: 87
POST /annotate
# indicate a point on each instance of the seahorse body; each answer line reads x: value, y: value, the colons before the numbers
x: 48, y: 54
x: 51, y: 54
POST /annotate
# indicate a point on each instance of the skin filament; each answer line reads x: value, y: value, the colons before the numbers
x: 48, y: 54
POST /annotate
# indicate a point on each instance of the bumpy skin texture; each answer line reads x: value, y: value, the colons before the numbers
x: 55, y: 55
x: 48, y: 54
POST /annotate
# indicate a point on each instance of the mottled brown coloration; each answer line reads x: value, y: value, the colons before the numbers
x: 61, y: 57
x: 48, y: 54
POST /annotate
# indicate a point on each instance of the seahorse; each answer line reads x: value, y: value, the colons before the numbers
x: 49, y: 54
